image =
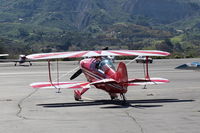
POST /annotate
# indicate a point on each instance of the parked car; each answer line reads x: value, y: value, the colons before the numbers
x: 142, y: 59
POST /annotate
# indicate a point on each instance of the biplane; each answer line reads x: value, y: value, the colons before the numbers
x: 1, y: 55
x: 100, y: 72
x: 21, y: 60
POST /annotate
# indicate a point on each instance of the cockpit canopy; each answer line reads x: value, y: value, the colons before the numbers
x: 105, y: 64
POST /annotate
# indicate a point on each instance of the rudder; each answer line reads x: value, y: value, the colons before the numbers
x: 121, y: 73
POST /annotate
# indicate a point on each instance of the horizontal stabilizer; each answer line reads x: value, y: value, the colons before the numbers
x: 143, y: 81
x: 61, y: 85
x: 103, y: 81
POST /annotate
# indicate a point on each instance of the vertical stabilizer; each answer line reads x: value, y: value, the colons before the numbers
x: 121, y: 74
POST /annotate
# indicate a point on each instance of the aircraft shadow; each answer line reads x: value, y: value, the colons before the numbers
x: 24, y: 65
x: 115, y: 103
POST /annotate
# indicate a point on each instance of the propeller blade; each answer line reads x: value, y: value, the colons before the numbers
x: 106, y: 48
x: 76, y: 74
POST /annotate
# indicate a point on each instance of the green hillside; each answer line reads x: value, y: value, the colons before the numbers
x: 78, y: 14
x: 28, y: 26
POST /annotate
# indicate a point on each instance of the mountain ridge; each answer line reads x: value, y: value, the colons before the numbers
x: 79, y: 14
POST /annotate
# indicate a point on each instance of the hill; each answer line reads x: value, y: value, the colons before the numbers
x: 79, y: 14
x: 52, y: 25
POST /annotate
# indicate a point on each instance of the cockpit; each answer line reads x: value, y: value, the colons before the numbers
x: 104, y: 64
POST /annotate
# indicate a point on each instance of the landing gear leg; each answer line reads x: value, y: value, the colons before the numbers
x: 77, y: 95
x: 58, y: 91
x: 145, y: 87
x: 123, y: 97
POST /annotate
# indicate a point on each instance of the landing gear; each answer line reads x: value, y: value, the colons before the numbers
x: 58, y: 91
x: 30, y: 63
x: 123, y: 97
x: 113, y: 96
x: 77, y: 95
x: 145, y: 87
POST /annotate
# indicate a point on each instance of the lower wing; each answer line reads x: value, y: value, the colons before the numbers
x: 61, y: 85
x: 79, y: 85
x: 143, y: 81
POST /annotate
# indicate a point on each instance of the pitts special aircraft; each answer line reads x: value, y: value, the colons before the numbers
x: 100, y: 71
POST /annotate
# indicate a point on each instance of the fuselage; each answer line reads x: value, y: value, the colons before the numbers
x: 22, y: 59
x: 102, y: 68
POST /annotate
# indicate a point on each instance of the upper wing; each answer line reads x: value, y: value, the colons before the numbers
x: 69, y: 85
x: 61, y: 85
x: 77, y: 54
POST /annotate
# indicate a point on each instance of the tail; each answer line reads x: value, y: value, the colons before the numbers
x: 121, y: 73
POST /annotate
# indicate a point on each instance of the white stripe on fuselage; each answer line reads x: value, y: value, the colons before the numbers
x: 92, y: 74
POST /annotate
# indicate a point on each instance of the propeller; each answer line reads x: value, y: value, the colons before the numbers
x: 76, y: 74
x: 106, y: 48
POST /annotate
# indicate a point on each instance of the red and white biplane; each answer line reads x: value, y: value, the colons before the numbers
x: 100, y: 71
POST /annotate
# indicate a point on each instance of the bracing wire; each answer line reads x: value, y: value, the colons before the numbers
x: 131, y: 61
x: 58, y: 75
x: 143, y: 68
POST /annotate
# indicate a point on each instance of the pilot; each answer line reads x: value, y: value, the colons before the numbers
x: 98, y: 61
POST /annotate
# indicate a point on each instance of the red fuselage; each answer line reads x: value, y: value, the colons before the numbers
x: 102, y: 68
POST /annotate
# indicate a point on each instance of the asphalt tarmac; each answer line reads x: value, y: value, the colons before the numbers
x: 167, y: 108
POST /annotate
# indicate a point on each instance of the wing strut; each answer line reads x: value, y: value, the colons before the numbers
x: 50, y: 78
x: 49, y: 68
x: 147, y: 68
x: 58, y: 76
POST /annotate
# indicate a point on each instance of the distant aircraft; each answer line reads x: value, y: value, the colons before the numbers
x: 21, y: 60
x: 190, y: 66
x: 100, y: 72
x: 4, y: 55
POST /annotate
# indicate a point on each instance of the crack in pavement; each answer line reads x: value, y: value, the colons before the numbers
x: 133, y: 118
x: 18, y: 114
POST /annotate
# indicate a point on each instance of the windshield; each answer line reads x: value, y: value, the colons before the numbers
x: 106, y: 63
